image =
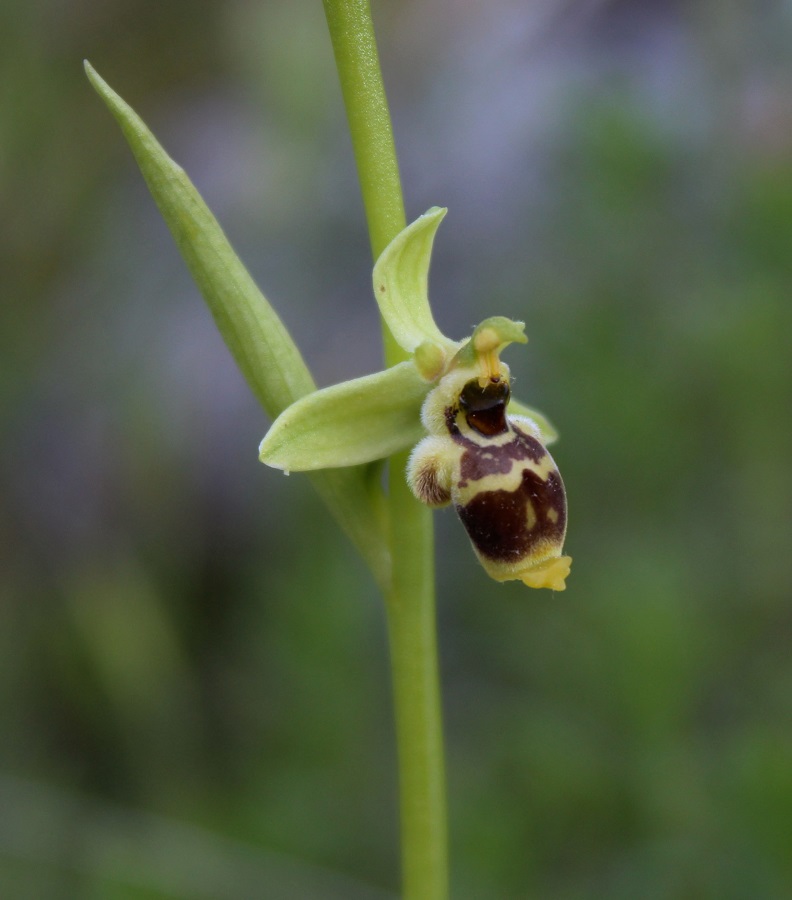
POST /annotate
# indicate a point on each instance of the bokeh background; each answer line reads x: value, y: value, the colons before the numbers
x: 194, y: 696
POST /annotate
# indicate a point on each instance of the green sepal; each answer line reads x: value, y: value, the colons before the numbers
x: 350, y: 423
x: 547, y: 431
x: 401, y: 284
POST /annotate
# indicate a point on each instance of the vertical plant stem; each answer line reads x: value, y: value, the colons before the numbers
x: 410, y: 600
x: 357, y: 60
x: 413, y: 646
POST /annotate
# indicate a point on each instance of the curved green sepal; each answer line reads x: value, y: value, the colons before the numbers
x: 262, y: 348
x: 547, y: 432
x: 349, y: 423
x: 401, y: 279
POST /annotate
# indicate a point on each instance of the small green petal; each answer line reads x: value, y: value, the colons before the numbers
x: 401, y: 278
x: 349, y: 423
x: 547, y: 432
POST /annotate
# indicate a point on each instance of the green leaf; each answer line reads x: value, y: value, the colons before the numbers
x: 258, y: 340
x: 401, y: 279
x: 262, y: 348
x: 349, y: 423
x: 547, y: 431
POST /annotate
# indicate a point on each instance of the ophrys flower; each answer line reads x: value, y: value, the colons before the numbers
x: 476, y: 448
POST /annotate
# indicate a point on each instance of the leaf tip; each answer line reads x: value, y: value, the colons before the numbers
x: 93, y: 76
x: 112, y: 101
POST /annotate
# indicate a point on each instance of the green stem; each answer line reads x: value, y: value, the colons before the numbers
x: 413, y: 647
x: 357, y: 61
x: 410, y: 601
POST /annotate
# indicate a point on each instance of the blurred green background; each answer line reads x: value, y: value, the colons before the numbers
x: 194, y: 696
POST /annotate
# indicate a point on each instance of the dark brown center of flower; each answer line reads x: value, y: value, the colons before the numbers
x: 485, y: 407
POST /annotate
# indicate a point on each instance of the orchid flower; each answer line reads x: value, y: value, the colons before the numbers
x: 475, y: 447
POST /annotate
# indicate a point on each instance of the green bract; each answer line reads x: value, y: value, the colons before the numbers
x: 263, y: 349
x: 258, y: 340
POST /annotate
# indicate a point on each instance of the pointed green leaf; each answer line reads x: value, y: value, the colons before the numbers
x: 401, y: 279
x: 349, y: 423
x: 262, y: 348
x: 547, y: 431
x: 258, y: 340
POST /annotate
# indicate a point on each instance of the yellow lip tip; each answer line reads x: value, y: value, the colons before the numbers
x: 550, y: 573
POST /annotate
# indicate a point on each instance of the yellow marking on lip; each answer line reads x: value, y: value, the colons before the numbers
x: 480, y: 440
x: 530, y: 515
x: 500, y: 481
x: 504, y: 481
